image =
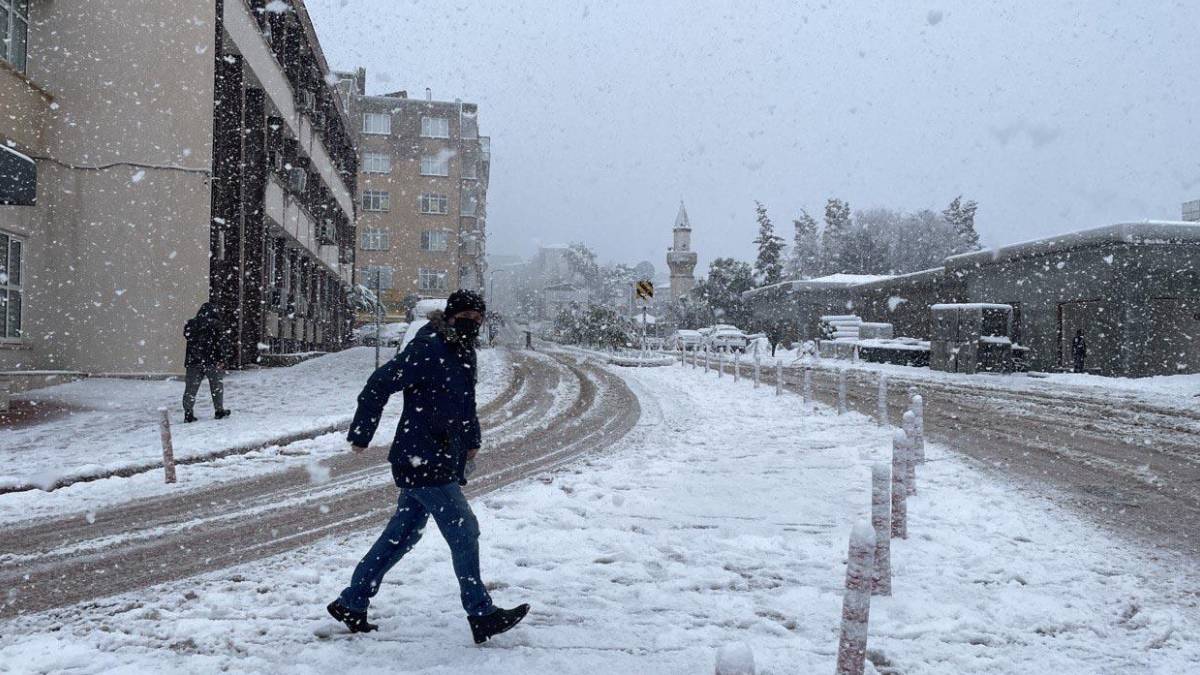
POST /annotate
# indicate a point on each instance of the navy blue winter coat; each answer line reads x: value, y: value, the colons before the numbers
x: 439, y: 424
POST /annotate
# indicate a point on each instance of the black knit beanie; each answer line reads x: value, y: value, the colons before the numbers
x: 463, y: 300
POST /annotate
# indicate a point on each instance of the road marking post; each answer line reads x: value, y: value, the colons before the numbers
x: 737, y: 365
x: 899, y: 487
x: 842, y: 409
x: 909, y: 425
x: 164, y: 432
x: 881, y: 412
x: 720, y: 364
x: 918, y: 408
x: 757, y: 367
x: 881, y: 522
x: 856, y: 603
x: 778, y: 378
x: 808, y: 392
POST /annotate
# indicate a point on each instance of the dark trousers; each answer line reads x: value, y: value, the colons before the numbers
x: 191, y: 386
x: 449, y: 508
x: 1079, y: 363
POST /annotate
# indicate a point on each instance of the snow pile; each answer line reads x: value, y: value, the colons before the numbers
x: 722, y: 519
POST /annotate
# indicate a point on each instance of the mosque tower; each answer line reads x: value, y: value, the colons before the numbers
x: 681, y: 258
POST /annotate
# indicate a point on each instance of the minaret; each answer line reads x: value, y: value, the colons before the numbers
x: 681, y: 258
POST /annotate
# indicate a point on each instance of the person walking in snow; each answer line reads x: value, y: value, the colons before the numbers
x: 204, y: 359
x: 437, y: 437
x: 1079, y: 350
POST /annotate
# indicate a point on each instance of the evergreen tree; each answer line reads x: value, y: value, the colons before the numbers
x: 961, y: 215
x: 768, y: 267
x: 805, y: 261
x: 721, y: 291
x: 837, y: 226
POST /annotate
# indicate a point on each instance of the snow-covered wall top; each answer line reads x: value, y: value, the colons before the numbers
x: 1144, y: 232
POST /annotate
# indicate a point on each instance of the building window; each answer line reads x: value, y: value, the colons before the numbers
x: 469, y: 170
x: 376, y: 200
x: 14, y: 31
x: 377, y: 162
x: 370, y: 275
x: 435, y: 240
x: 376, y: 240
x: 435, y: 165
x: 469, y: 203
x: 431, y: 280
x: 435, y: 127
x: 435, y: 204
x: 11, y: 289
x: 377, y: 123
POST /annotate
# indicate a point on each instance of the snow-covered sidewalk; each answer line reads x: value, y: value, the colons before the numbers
x: 723, y: 517
x: 113, y: 425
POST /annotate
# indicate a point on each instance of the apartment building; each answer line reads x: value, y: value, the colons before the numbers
x: 158, y: 155
x: 423, y: 178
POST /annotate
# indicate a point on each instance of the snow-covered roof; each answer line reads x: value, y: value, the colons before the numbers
x: 1144, y: 232
x: 830, y: 281
x: 970, y: 305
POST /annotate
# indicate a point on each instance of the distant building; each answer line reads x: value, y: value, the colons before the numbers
x: 423, y: 178
x: 1132, y: 288
x: 1191, y: 211
x: 148, y: 170
x: 681, y: 258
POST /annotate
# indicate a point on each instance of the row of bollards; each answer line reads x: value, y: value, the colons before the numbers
x: 870, y: 548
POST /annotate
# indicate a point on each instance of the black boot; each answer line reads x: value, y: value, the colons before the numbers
x: 189, y: 416
x: 355, y: 621
x: 222, y: 414
x: 489, y: 625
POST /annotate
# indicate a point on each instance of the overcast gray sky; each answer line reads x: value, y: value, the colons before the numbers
x: 1055, y: 116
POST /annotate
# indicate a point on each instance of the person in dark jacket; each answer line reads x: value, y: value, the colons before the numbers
x: 204, y: 359
x: 437, y: 436
x: 1079, y: 350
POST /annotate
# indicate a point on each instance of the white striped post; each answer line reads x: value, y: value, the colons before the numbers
x: 899, y: 487
x: 808, y: 392
x: 881, y: 411
x: 918, y: 408
x: 909, y: 425
x: 778, y: 377
x: 856, y: 603
x: 705, y: 360
x: 164, y: 433
x: 881, y: 522
x: 841, y: 394
x: 720, y: 364
x: 757, y: 374
x: 737, y: 366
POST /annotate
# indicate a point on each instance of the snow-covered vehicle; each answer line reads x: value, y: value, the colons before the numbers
x: 686, y: 340
x: 420, y: 318
x: 727, y: 340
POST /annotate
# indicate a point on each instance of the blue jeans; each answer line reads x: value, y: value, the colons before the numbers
x: 453, y: 516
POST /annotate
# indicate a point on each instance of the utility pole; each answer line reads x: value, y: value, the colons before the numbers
x: 378, y: 314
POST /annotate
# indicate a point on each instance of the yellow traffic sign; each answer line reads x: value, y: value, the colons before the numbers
x: 645, y: 289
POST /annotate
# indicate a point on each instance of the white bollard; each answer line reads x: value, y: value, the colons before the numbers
x: 918, y: 408
x: 779, y: 378
x: 720, y: 364
x: 757, y: 367
x: 841, y: 384
x: 705, y: 360
x: 856, y: 604
x: 881, y: 522
x: 899, y: 487
x: 909, y: 424
x: 164, y: 432
x: 881, y: 411
x: 737, y: 366
x: 735, y: 658
x: 808, y: 392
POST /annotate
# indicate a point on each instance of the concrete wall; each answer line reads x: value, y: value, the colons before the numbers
x: 119, y: 259
x: 904, y: 301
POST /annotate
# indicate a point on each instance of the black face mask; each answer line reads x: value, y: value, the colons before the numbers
x: 466, y: 329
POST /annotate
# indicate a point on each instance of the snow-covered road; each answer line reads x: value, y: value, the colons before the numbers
x: 722, y: 517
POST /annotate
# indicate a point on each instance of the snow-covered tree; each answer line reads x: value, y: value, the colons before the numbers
x: 722, y: 290
x: 837, y: 224
x: 805, y: 260
x: 768, y: 267
x: 961, y: 215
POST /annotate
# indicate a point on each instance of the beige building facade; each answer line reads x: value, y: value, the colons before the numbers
x: 180, y: 152
x: 423, y: 178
